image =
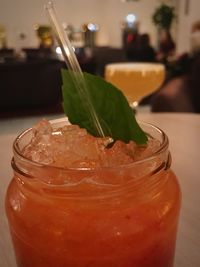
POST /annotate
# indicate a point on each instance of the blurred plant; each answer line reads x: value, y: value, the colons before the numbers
x: 164, y: 16
x: 44, y: 33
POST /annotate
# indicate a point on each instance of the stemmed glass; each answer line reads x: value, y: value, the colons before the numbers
x: 135, y: 80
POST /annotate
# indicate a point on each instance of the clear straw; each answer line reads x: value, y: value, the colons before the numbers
x: 73, y: 65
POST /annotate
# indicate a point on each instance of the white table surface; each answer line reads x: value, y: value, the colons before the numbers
x: 183, y: 131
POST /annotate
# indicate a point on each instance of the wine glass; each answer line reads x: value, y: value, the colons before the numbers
x: 135, y: 80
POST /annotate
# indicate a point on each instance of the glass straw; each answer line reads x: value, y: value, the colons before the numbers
x: 73, y: 65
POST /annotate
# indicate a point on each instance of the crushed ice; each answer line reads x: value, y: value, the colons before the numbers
x: 71, y: 146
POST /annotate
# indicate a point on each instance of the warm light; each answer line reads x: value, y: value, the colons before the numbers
x: 58, y: 50
x: 92, y: 27
x: 130, y: 19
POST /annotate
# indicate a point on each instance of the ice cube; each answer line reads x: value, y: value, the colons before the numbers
x: 71, y: 146
x: 119, y: 154
x: 39, y: 149
x: 145, y: 151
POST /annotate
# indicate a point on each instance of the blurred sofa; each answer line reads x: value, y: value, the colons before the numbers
x: 181, y: 91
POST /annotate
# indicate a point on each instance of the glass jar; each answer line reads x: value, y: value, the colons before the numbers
x: 122, y: 216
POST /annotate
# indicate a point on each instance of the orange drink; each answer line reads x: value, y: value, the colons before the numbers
x: 135, y: 80
x: 99, y: 207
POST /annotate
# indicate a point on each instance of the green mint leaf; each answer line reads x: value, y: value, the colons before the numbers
x: 112, y: 108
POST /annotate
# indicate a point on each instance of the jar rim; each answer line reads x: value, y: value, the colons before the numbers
x: 163, y: 147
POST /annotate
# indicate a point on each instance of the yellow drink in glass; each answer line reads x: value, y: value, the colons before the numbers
x: 135, y: 80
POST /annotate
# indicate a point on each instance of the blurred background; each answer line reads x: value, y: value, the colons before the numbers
x: 102, y: 32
